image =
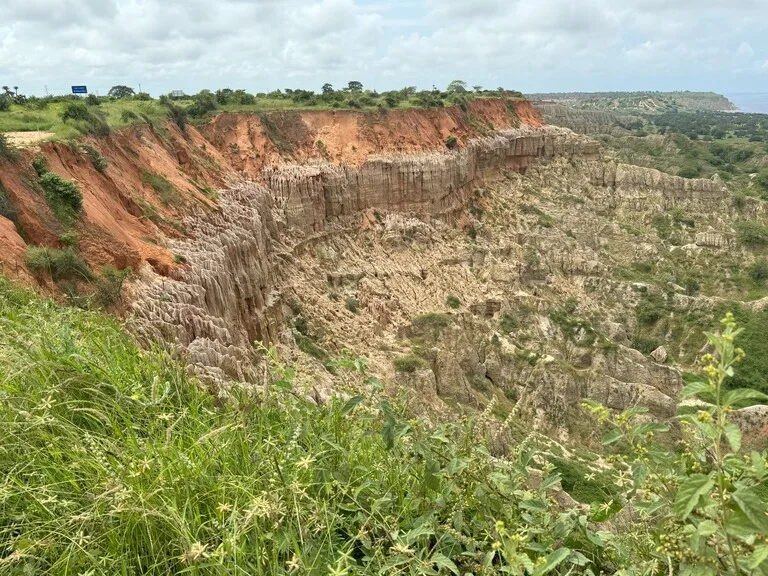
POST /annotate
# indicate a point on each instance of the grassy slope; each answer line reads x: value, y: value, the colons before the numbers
x: 114, y: 462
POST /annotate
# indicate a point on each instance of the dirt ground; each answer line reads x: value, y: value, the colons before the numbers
x: 27, y: 138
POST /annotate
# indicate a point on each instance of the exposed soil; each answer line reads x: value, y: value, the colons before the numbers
x: 22, y: 139
x: 125, y: 221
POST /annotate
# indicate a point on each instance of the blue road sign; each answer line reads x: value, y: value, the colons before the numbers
x: 79, y: 90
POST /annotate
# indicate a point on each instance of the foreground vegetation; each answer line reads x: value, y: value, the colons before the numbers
x: 115, y: 462
x: 69, y: 116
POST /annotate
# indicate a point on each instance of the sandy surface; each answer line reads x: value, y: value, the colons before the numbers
x: 26, y: 138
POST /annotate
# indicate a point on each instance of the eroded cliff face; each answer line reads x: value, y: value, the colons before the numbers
x: 241, y: 258
x: 349, y: 231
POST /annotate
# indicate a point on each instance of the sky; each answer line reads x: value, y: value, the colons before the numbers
x: 262, y: 45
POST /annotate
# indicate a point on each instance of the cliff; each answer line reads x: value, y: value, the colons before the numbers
x: 125, y: 219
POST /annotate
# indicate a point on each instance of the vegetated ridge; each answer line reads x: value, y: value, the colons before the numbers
x: 638, y: 101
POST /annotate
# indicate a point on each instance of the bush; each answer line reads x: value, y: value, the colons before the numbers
x: 689, y: 172
x: 453, y: 302
x: 651, y: 309
x: 59, y: 191
x: 202, y: 104
x: 86, y: 121
x: 352, y: 305
x: 644, y: 344
x: 5, y: 103
x: 739, y: 200
x: 97, y: 160
x: 65, y: 264
x: 7, y: 150
x: 752, y: 234
x: 7, y: 209
x: 176, y: 113
x: 110, y: 285
x: 40, y: 164
x: 451, y: 142
x: 759, y: 271
x: 508, y: 324
x: 409, y: 363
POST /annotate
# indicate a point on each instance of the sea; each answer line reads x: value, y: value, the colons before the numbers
x: 755, y: 102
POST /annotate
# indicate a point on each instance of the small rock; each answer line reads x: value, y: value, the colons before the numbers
x: 660, y: 355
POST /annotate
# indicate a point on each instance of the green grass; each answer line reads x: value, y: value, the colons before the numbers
x: 164, y: 189
x: 119, y: 114
x: 114, y: 461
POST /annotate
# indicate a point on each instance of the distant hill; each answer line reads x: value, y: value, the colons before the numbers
x: 639, y: 101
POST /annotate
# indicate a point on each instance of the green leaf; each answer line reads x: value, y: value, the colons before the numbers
x: 630, y: 412
x: 695, y: 486
x: 707, y: 528
x: 444, y: 562
x: 612, y: 437
x: 553, y: 561
x: 418, y: 532
x: 351, y: 404
x: 647, y: 427
x: 550, y: 481
x: 743, y: 395
x: 696, y: 388
x: 750, y: 504
x: 759, y: 556
x: 733, y: 434
x: 758, y: 464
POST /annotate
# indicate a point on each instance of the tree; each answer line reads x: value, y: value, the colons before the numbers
x: 121, y: 91
x: 457, y: 87
x: 327, y: 88
x: 355, y: 86
x: 477, y: 88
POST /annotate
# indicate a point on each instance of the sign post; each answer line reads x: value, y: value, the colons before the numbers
x: 79, y: 90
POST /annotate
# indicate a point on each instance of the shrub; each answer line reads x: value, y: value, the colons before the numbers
x: 5, y: 103
x: 176, y: 113
x: 86, y: 121
x: 644, y: 344
x: 352, y: 305
x: 651, y: 309
x: 97, y: 160
x: 739, y: 200
x: 69, y: 239
x: 453, y: 302
x: 202, y: 104
x: 308, y: 346
x: 7, y: 150
x: 409, y: 363
x: 451, y: 142
x: 759, y: 271
x: 61, y: 193
x: 752, y: 234
x: 761, y: 180
x: 662, y: 225
x: 690, y: 171
x: 508, y: 324
x: 59, y: 264
x: 40, y: 164
x: 109, y: 286
x: 7, y: 209
x: 164, y: 189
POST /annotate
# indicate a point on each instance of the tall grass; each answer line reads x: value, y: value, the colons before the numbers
x: 113, y: 461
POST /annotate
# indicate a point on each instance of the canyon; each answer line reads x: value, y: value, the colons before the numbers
x: 495, y: 273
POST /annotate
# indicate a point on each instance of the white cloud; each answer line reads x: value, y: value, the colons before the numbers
x: 266, y: 44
